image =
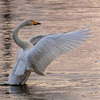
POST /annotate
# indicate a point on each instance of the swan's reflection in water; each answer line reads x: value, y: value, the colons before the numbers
x: 37, y: 93
x: 25, y: 93
x: 19, y: 89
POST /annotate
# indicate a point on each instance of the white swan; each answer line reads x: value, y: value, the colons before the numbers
x: 37, y: 53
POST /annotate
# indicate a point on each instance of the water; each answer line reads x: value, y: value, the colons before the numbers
x: 74, y: 76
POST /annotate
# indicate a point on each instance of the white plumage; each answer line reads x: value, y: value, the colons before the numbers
x: 37, y: 53
x: 52, y: 46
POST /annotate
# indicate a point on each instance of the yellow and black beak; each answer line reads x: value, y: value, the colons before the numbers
x: 36, y: 23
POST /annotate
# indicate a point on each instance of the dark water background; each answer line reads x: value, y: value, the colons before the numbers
x: 75, y: 76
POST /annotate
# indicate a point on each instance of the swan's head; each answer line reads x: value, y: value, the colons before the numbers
x: 30, y: 22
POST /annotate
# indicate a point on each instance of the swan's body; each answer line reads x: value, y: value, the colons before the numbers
x: 46, y: 49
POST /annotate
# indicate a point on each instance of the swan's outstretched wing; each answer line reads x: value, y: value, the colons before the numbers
x: 52, y: 46
x: 36, y: 38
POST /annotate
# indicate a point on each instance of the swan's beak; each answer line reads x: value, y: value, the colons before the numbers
x: 36, y: 23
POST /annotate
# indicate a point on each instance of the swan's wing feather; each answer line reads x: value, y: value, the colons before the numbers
x: 52, y: 46
x: 36, y: 38
x: 20, y: 68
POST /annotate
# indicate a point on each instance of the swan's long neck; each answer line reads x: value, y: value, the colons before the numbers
x: 19, y: 42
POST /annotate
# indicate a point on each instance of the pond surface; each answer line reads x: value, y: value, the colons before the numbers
x: 74, y: 76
